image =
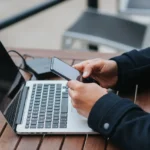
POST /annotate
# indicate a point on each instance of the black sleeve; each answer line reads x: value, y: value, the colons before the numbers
x: 126, y: 124
x: 133, y: 68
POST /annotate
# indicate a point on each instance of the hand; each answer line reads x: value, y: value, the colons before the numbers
x: 105, y: 72
x: 84, y: 96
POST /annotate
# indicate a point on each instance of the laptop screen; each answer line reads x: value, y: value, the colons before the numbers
x: 10, y: 82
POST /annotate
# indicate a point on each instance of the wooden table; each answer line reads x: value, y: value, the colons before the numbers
x: 10, y: 141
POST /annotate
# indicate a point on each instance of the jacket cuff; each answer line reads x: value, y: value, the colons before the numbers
x: 127, y: 63
x: 124, y: 63
x: 108, y: 112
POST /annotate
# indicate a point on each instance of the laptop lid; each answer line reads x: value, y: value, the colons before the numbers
x: 11, y: 81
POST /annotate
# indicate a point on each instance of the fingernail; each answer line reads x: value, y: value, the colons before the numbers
x: 85, y: 74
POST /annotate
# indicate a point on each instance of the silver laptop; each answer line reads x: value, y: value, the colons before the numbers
x: 37, y: 107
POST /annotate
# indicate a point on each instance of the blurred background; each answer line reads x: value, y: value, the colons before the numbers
x: 115, y: 25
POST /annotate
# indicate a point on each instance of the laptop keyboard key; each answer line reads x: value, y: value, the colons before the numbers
x: 64, y: 106
x: 47, y: 126
x: 63, y: 126
x: 63, y: 119
x: 41, y: 125
x: 33, y: 126
x: 55, y: 126
x: 64, y: 115
x: 27, y: 126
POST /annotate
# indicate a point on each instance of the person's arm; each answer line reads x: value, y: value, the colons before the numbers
x: 133, y: 68
x: 124, y: 123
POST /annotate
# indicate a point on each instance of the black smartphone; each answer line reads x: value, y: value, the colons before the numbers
x: 67, y: 72
x: 64, y: 70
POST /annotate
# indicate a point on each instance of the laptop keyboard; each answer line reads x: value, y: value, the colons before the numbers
x: 48, y: 106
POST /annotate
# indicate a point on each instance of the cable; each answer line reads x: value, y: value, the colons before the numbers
x: 26, y: 55
x: 38, y: 67
x: 23, y: 59
x: 26, y: 71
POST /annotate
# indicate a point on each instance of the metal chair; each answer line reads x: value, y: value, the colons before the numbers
x: 134, y: 7
x: 96, y: 28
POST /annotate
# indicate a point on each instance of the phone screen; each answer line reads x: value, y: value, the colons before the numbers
x: 64, y: 70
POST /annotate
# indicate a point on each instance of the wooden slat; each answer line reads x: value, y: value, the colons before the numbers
x: 2, y: 123
x: 65, y: 53
x: 53, y: 142
x: 73, y: 142
x: 112, y: 147
x: 29, y: 143
x: 94, y: 142
x: 9, y: 139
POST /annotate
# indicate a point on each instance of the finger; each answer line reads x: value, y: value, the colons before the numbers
x: 74, y: 84
x: 94, y: 65
x: 97, y: 64
x: 87, y: 71
x: 80, y: 66
x: 71, y: 94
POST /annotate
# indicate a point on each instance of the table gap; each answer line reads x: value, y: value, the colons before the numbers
x: 40, y: 142
x: 17, y: 144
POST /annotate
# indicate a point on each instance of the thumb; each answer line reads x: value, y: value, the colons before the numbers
x: 72, y: 84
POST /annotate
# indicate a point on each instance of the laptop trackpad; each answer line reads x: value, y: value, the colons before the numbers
x: 74, y: 111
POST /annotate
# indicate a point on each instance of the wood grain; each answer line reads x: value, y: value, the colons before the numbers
x: 52, y: 142
x: 94, y: 142
x: 29, y: 143
x: 2, y: 123
x: 112, y: 147
x: 9, y: 139
x: 73, y: 142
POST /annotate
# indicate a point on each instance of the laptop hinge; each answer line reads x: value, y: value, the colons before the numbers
x: 22, y: 104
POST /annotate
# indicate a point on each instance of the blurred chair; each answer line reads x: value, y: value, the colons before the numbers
x: 96, y: 28
x: 138, y: 7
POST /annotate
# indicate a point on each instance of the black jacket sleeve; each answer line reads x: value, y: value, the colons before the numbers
x: 125, y: 123
x: 133, y: 68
